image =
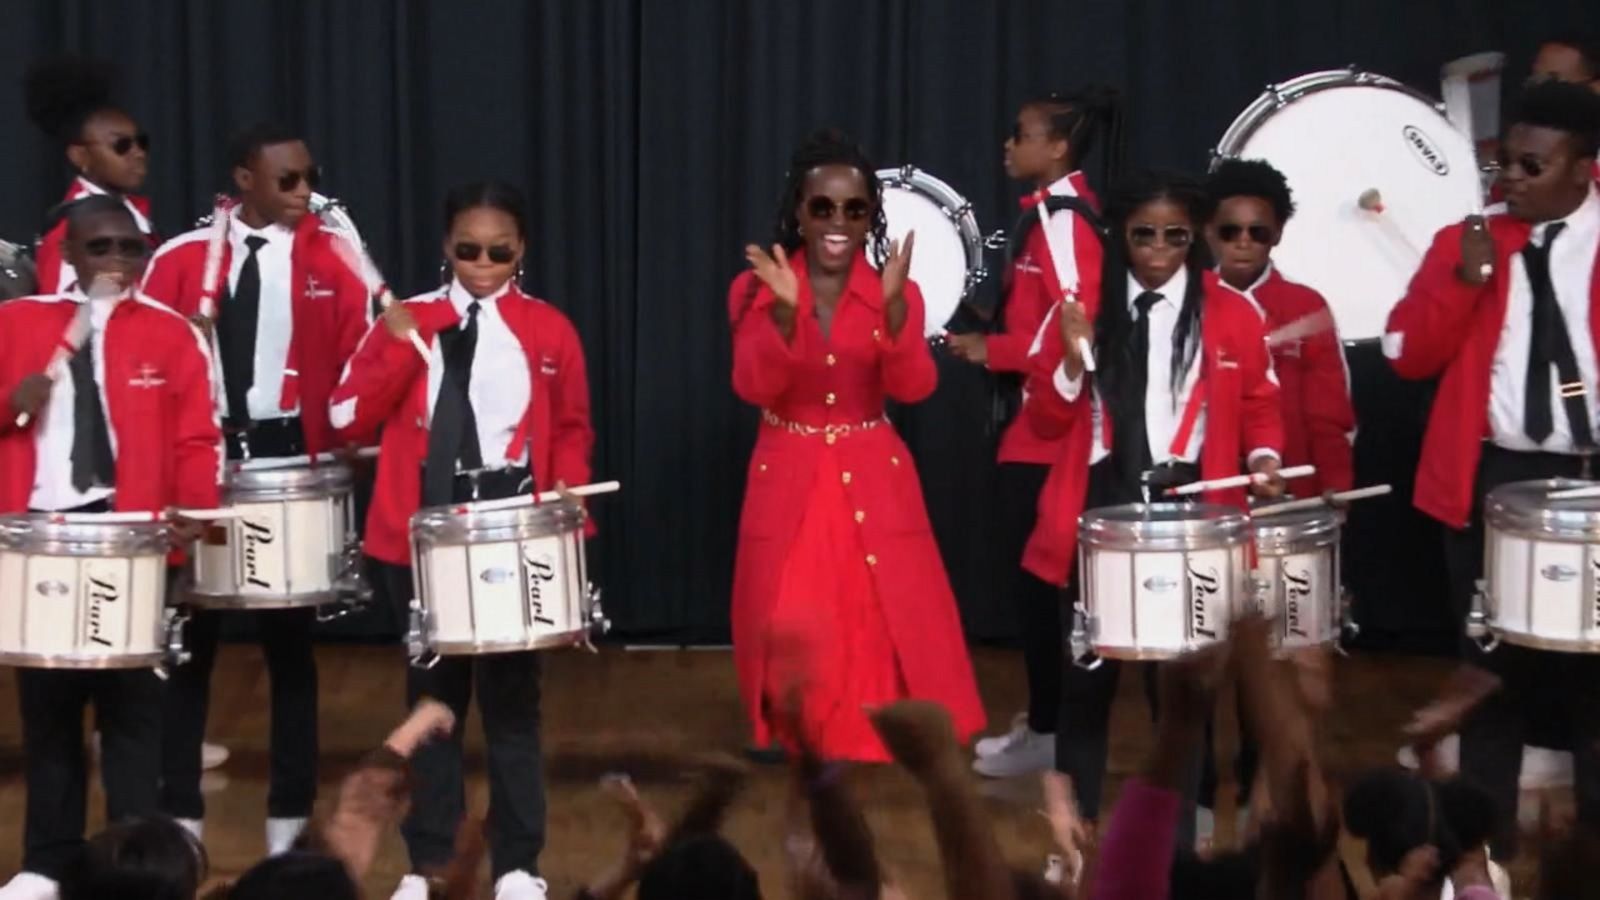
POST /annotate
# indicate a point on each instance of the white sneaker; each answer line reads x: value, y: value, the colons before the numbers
x: 519, y: 885
x: 212, y: 755
x: 989, y: 746
x: 1027, y: 753
x: 412, y: 887
x: 29, y: 886
x: 281, y: 834
x: 1541, y: 767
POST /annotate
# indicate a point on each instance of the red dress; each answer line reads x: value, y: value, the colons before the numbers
x: 839, y: 594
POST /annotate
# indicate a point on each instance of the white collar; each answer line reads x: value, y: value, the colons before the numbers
x: 238, y: 230
x: 461, y: 299
x: 88, y: 187
x: 1065, y: 186
x: 1171, y: 293
x: 1584, y: 220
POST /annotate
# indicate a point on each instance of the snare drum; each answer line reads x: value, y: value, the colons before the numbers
x: 1542, y: 567
x: 948, y: 261
x: 1297, y: 571
x: 82, y: 591
x: 492, y: 578
x: 1160, y: 579
x: 288, y: 546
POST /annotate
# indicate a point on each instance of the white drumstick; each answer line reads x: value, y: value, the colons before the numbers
x: 135, y: 518
x: 359, y: 262
x: 1068, y: 292
x: 1303, y: 327
x: 1582, y: 493
x: 1377, y: 490
x: 211, y: 274
x: 582, y: 490
x: 1236, y: 481
x: 295, y: 462
x: 76, y: 333
x: 1372, y: 201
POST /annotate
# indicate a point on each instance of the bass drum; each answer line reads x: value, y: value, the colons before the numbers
x: 1376, y: 169
x: 948, y: 261
x: 17, y: 275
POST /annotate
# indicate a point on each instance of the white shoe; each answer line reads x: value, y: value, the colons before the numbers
x: 519, y: 885
x: 29, y: 886
x: 212, y: 755
x: 989, y: 746
x: 1541, y: 767
x: 412, y: 887
x: 281, y: 834
x: 1027, y: 753
x: 194, y: 827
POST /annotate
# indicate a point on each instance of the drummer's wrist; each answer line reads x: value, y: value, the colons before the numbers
x: 1260, y: 454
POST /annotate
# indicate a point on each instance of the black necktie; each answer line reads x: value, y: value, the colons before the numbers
x: 1129, y: 441
x: 453, y: 434
x: 1551, y: 344
x: 236, y: 333
x: 92, y: 463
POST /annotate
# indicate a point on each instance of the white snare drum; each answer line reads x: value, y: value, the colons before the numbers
x: 288, y: 546
x: 1297, y: 570
x: 492, y: 579
x: 1542, y: 567
x: 947, y: 263
x: 82, y: 591
x: 1160, y: 579
x: 1336, y: 135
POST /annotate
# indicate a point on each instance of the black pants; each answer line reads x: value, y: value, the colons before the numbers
x: 286, y: 642
x: 127, y: 713
x: 1038, y: 602
x: 508, y: 701
x: 292, y: 672
x: 1549, y: 698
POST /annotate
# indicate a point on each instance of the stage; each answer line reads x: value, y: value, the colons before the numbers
x: 648, y: 712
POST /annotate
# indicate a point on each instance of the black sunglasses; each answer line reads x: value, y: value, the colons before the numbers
x: 124, y: 145
x: 1531, y: 166
x: 499, y: 254
x: 1259, y: 234
x: 855, y: 209
x: 127, y: 248
x: 288, y: 181
x: 1172, y: 235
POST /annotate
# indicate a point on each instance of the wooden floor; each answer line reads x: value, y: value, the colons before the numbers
x: 644, y: 712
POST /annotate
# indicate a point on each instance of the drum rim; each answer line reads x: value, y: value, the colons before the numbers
x: 143, y: 660
x: 204, y: 600
x: 440, y: 526
x: 957, y: 210
x: 320, y: 480
x: 1282, y: 94
x: 1536, y: 642
x: 572, y: 638
x: 1223, y: 527
x: 1508, y: 510
x: 1320, y: 527
x: 33, y: 534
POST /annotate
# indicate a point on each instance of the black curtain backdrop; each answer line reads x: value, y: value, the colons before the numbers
x: 652, y: 135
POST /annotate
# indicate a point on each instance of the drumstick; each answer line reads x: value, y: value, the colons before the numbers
x: 1377, y: 490
x: 360, y: 264
x: 1303, y: 327
x: 1372, y: 201
x: 1235, y: 481
x: 210, y: 275
x: 1067, y: 292
x: 76, y: 333
x: 582, y: 490
x: 1582, y: 493
x: 135, y: 518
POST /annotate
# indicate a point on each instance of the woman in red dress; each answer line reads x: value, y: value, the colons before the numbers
x: 840, y: 600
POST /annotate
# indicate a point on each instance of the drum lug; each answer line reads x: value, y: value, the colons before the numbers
x: 598, y: 623
x: 907, y: 173
x: 996, y: 241
x: 417, y: 649
x: 1349, y: 628
x: 1480, y: 628
x: 177, y: 618
x: 954, y: 213
x: 1081, y: 641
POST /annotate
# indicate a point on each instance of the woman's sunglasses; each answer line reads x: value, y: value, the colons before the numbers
x: 127, y: 248
x: 124, y: 144
x: 288, y: 181
x: 1172, y: 235
x: 1259, y: 234
x: 855, y: 209
x: 499, y: 254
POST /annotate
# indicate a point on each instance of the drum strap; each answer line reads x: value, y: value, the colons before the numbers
x: 1029, y: 220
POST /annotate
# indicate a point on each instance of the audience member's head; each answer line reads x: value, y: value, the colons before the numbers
x: 699, y: 867
x: 1397, y: 812
x: 296, y: 874
x: 137, y: 859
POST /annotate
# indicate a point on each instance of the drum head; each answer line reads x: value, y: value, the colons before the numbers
x: 947, y: 261
x: 1335, y: 135
x: 17, y: 275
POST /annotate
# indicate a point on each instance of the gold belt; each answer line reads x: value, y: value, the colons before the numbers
x: 831, y: 432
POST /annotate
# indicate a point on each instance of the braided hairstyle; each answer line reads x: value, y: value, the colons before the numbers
x: 829, y: 147
x: 1114, y: 322
x: 1085, y: 118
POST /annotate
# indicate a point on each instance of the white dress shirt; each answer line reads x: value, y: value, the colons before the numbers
x: 55, y: 429
x: 501, y: 381
x: 1571, y: 273
x: 275, y: 318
